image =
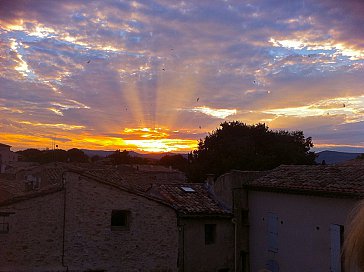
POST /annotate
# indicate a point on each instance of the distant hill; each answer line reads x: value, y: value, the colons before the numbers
x: 333, y: 157
x: 100, y: 153
x: 103, y: 153
x: 158, y: 156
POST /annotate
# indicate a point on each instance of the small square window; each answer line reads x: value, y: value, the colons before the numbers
x: 210, y: 234
x: 244, y: 217
x: 4, y: 223
x: 4, y: 227
x: 120, y: 219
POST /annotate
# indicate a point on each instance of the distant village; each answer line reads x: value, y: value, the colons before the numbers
x: 95, y: 216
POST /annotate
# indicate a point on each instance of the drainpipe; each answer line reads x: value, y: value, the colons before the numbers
x: 210, y: 181
x: 183, y: 247
x: 64, y: 220
x: 181, y: 255
x: 235, y: 242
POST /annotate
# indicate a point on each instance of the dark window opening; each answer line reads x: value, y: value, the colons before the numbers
x: 210, y: 234
x: 272, y: 265
x: 244, y: 217
x: 4, y: 224
x: 4, y: 227
x: 244, y: 261
x: 120, y: 219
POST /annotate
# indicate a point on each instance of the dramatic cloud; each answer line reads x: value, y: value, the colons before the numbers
x: 157, y: 75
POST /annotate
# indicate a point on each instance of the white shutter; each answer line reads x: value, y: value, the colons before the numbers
x: 272, y: 232
x: 335, y: 248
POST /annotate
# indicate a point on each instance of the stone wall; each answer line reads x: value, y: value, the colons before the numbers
x: 149, y: 244
x: 34, y: 241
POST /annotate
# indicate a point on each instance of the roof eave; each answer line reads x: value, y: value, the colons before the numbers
x: 300, y: 191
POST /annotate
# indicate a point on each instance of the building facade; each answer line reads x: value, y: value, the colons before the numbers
x: 89, y: 223
x: 6, y: 156
x: 292, y: 218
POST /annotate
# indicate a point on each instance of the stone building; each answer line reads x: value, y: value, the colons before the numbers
x: 6, y: 156
x: 206, y: 230
x: 92, y: 221
x: 293, y: 217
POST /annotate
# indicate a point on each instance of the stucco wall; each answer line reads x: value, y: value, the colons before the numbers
x: 199, y: 257
x: 226, y: 184
x: 303, y: 229
x: 34, y: 242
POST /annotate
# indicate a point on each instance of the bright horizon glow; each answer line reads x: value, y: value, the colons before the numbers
x: 159, y: 76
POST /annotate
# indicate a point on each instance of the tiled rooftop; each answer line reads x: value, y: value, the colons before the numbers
x: 197, y: 200
x: 136, y: 180
x: 4, y: 145
x: 4, y: 195
x: 344, y: 180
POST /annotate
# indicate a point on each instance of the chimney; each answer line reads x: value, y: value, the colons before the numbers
x: 210, y: 181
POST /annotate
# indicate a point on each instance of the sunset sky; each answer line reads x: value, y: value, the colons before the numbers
x: 157, y: 75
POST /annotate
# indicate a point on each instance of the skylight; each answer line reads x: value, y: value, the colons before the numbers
x: 187, y: 189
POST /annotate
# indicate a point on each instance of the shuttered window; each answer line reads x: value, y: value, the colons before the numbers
x: 336, y: 241
x: 272, y: 232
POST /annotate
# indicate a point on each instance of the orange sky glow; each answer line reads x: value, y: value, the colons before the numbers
x: 158, y: 76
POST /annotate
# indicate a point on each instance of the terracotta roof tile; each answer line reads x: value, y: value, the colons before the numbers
x: 5, y: 195
x: 140, y: 181
x: 326, y: 179
x: 165, y: 187
x: 4, y: 145
x: 198, y: 202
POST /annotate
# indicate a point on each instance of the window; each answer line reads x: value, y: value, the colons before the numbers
x: 245, y: 217
x: 272, y: 232
x: 210, y: 234
x: 272, y: 265
x: 36, y: 184
x: 244, y: 261
x: 336, y: 235
x: 4, y: 224
x: 187, y: 189
x: 120, y: 219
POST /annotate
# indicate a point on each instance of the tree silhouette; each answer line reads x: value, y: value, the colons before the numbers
x: 175, y: 161
x: 236, y: 145
x: 53, y: 155
x: 76, y: 155
x: 119, y: 157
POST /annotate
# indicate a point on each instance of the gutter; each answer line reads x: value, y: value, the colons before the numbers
x: 64, y: 220
x: 235, y: 243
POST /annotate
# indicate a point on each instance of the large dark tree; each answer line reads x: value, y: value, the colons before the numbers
x: 175, y: 161
x: 119, y: 157
x: 236, y: 145
x: 76, y: 155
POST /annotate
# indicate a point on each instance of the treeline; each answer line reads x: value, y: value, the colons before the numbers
x: 75, y: 155
x: 55, y: 155
x: 234, y: 145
